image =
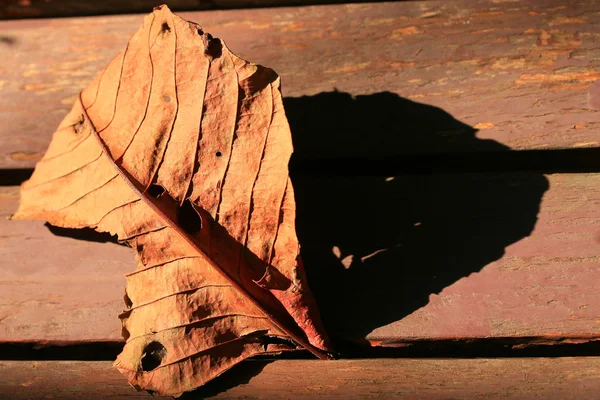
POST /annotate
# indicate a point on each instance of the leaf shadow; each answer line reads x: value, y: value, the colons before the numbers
x: 86, y: 234
x: 397, y: 240
x: 240, y: 374
x: 375, y: 247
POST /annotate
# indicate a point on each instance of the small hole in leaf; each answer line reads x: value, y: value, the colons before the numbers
x: 155, y: 190
x: 218, y: 154
x: 165, y: 27
x: 188, y: 219
x: 153, y: 356
x: 214, y: 48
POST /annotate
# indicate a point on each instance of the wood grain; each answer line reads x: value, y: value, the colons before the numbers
x: 522, y: 74
x: 517, y: 378
x: 16, y: 9
x: 443, y: 256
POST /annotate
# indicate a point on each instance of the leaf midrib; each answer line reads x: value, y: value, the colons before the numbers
x: 170, y: 223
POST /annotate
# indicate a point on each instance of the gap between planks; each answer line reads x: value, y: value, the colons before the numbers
x: 457, y: 348
x: 535, y: 161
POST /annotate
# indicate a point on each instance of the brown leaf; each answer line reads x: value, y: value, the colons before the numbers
x: 181, y: 149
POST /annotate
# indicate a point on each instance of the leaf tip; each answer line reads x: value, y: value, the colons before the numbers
x: 162, y: 7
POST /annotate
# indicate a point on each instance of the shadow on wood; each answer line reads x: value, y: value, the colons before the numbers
x: 376, y: 248
x: 240, y: 374
x: 86, y: 234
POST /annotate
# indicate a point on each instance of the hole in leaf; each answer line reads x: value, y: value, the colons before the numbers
x: 153, y: 356
x: 165, y: 27
x: 155, y: 191
x: 218, y: 154
x: 188, y: 218
x: 214, y: 48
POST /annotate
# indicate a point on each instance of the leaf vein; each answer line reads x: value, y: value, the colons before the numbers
x: 88, y: 163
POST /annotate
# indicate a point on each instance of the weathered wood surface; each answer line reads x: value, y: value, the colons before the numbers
x: 524, y: 74
x: 442, y: 256
x: 516, y: 378
x: 13, y: 9
x: 65, y: 380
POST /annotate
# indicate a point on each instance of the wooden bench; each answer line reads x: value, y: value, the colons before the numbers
x: 446, y: 174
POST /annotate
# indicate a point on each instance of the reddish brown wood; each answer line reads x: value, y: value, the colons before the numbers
x: 523, y: 379
x: 455, y: 256
x: 520, y: 73
x: 14, y: 9
x: 65, y: 380
x: 475, y: 262
x: 46, y: 289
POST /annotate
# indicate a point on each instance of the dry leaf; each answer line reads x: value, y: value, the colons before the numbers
x: 181, y: 149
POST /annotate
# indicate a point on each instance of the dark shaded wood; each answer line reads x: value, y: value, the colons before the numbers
x: 441, y: 256
x: 17, y: 9
x: 453, y: 256
x: 517, y: 378
x: 521, y: 74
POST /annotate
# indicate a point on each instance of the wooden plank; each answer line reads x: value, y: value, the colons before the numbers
x: 521, y: 74
x: 65, y: 380
x: 16, y: 9
x: 57, y: 288
x: 421, y: 257
x: 454, y: 256
x: 516, y: 378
